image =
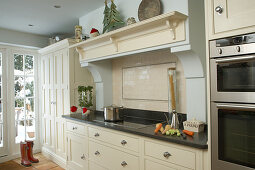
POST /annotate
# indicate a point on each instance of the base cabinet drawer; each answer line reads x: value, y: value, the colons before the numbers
x: 76, y: 128
x: 171, y: 154
x: 111, y: 158
x: 151, y: 165
x: 94, y: 166
x: 123, y: 141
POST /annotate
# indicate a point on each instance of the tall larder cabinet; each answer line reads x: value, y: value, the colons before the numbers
x: 61, y: 74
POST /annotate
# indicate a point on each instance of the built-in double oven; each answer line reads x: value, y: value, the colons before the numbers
x: 232, y: 69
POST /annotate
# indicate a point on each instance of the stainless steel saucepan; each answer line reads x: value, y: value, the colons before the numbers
x: 112, y: 113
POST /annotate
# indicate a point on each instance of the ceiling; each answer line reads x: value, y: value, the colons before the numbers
x: 45, y: 18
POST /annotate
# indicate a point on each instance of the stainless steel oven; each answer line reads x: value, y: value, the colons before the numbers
x: 233, y: 136
x: 232, y: 69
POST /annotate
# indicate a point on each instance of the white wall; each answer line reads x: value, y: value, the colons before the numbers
x: 127, y: 8
x: 21, y: 38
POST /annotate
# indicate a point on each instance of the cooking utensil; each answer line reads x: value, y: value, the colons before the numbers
x: 182, y: 134
x: 112, y: 113
x: 148, y: 9
x: 175, y: 121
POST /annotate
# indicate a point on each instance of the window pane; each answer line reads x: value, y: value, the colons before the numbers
x: 30, y: 129
x: 20, y: 131
x: 19, y: 109
x: 1, y: 135
x: 18, y: 64
x: 29, y: 65
x: 19, y: 86
x: 1, y: 112
x: 30, y: 108
x: 29, y: 88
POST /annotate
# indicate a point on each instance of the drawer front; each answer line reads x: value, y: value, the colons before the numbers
x: 150, y: 165
x: 94, y: 166
x: 76, y: 128
x: 111, y: 158
x: 115, y: 139
x: 170, y: 154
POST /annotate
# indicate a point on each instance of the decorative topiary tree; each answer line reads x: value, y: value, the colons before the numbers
x: 106, y: 16
x: 115, y: 20
x: 85, y: 96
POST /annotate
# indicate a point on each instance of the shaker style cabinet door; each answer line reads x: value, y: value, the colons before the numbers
x: 47, y: 66
x: 233, y: 14
x: 77, y: 152
x: 61, y: 99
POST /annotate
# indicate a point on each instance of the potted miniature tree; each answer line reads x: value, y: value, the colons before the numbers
x: 85, y: 98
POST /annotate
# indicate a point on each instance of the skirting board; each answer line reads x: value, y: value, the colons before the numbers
x: 14, y: 156
x: 54, y: 157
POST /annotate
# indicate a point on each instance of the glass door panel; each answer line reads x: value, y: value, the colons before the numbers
x: 24, y: 97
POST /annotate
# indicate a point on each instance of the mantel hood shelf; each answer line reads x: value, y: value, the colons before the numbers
x: 182, y: 35
x: 158, y: 31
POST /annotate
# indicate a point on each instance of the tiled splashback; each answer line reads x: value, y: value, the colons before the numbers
x: 140, y: 81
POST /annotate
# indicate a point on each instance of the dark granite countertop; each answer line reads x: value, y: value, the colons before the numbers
x: 140, y: 126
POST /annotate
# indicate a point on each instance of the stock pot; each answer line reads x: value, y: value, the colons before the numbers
x: 113, y: 113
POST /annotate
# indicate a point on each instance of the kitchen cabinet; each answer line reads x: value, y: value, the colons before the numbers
x: 77, y: 152
x: 60, y: 76
x: 105, y: 151
x: 230, y: 17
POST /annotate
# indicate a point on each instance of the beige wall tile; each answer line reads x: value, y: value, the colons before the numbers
x: 142, y: 100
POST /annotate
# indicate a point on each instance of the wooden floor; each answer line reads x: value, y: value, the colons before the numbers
x: 44, y: 164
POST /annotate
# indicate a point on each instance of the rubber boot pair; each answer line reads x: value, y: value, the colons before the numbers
x: 26, y: 150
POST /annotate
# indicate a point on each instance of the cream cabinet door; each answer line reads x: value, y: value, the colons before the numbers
x: 151, y: 165
x: 61, y: 98
x: 47, y: 81
x: 233, y: 14
x: 94, y: 166
x: 77, y: 158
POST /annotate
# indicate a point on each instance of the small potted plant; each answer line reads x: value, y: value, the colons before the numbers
x: 85, y: 98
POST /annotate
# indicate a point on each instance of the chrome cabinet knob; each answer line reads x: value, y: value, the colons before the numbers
x: 97, y: 153
x: 166, y: 154
x: 238, y: 48
x: 96, y: 134
x: 83, y: 157
x: 74, y: 128
x: 124, y: 163
x: 123, y: 142
x: 219, y: 9
x: 220, y: 51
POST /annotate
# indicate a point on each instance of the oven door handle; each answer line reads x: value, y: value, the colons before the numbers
x: 235, y: 59
x: 236, y: 107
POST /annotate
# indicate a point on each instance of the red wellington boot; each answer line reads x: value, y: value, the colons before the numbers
x: 30, y: 156
x: 23, y: 151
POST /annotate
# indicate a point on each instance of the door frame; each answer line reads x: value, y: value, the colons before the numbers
x: 4, y: 149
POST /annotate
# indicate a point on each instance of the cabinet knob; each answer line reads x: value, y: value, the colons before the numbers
x: 96, y: 134
x: 123, y: 142
x: 74, y: 128
x: 220, y: 51
x: 83, y: 157
x: 166, y: 154
x: 219, y: 9
x: 97, y: 153
x: 124, y: 163
x: 238, y: 49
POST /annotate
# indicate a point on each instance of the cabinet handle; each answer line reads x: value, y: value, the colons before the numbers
x: 219, y: 9
x: 97, y: 153
x: 124, y: 163
x: 74, y: 128
x: 96, y: 134
x: 83, y: 157
x: 167, y: 154
x: 123, y: 142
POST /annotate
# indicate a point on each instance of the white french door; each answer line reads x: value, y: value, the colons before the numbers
x: 23, y: 98
x: 3, y: 99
